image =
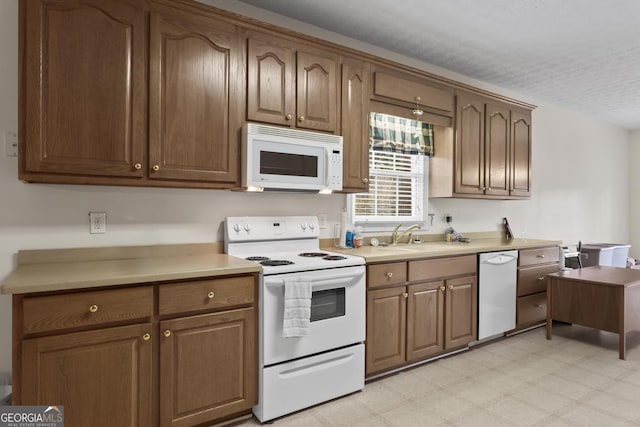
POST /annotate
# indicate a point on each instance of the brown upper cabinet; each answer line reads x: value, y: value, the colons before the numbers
x: 355, y: 124
x: 195, y: 97
x: 490, y: 156
x: 84, y: 112
x: 291, y: 84
x: 83, y: 89
x: 436, y: 101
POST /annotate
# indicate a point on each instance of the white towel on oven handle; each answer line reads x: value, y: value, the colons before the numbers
x: 297, y: 307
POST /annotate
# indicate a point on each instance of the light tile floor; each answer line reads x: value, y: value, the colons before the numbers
x: 576, y: 379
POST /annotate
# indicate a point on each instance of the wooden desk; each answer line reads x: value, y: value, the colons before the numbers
x: 605, y: 298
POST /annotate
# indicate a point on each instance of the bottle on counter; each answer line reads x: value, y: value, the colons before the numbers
x: 358, y: 239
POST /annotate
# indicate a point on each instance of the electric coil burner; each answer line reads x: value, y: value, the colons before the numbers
x: 328, y: 359
x: 276, y: 262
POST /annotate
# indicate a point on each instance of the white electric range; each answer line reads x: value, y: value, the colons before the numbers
x: 328, y: 362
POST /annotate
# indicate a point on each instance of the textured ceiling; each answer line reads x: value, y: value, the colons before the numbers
x: 582, y: 55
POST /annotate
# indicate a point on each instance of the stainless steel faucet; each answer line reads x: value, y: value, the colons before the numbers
x: 395, y: 236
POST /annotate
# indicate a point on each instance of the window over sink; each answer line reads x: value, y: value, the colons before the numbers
x: 398, y: 173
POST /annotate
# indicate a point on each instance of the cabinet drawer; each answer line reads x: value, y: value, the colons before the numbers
x: 408, y: 90
x: 532, y: 308
x: 205, y: 294
x: 532, y: 279
x: 539, y: 256
x: 55, y: 312
x: 428, y: 269
x: 386, y: 274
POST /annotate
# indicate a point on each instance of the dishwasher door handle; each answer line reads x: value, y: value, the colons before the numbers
x: 500, y: 260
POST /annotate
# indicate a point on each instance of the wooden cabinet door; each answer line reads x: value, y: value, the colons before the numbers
x: 208, y: 367
x: 271, y: 81
x: 496, y: 144
x: 317, y: 91
x: 195, y: 98
x: 460, y: 311
x: 386, y: 329
x: 469, y: 146
x: 101, y: 377
x: 84, y: 88
x: 355, y: 125
x: 520, y: 153
x: 425, y: 320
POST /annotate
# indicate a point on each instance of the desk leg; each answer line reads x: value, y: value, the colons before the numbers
x: 622, y: 330
x: 549, y: 320
x: 623, y: 345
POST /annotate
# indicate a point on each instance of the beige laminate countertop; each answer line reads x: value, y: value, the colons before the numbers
x: 59, y: 271
x: 403, y: 252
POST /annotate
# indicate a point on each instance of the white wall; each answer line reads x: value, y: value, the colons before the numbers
x: 580, y: 175
x: 634, y: 191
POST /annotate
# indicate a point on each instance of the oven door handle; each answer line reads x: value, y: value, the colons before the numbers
x: 327, y: 281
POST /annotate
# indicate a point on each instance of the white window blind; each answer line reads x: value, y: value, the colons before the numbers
x: 396, y: 189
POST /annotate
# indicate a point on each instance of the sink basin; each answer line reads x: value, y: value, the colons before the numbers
x: 399, y: 248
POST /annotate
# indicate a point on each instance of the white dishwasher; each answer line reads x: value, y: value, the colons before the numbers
x: 497, y: 292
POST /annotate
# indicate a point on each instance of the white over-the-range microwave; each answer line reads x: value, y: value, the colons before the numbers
x: 281, y: 159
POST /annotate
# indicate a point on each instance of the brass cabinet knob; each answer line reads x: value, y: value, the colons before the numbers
x: 137, y: 166
x: 484, y: 188
x: 210, y: 295
x: 450, y: 287
x: 287, y: 117
x: 365, y: 180
x: 442, y: 288
x: 301, y: 119
x: 541, y: 278
x: 93, y: 308
x: 406, y: 295
x: 167, y: 333
x: 389, y: 274
x: 146, y: 337
x: 155, y: 168
x: 418, y: 98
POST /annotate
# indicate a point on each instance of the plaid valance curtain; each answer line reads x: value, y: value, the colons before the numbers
x: 399, y: 135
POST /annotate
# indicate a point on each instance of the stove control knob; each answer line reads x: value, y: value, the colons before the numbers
x: 312, y: 226
x: 247, y: 227
x: 303, y: 226
x: 236, y: 227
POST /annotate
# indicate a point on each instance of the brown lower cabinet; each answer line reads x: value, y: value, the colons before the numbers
x: 533, y: 267
x: 419, y: 320
x: 101, y: 377
x: 112, y: 358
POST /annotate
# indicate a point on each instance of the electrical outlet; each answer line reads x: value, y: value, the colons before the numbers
x: 97, y: 222
x: 11, y: 144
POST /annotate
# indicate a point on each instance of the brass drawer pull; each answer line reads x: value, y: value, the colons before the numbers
x: 540, y: 256
x: 301, y: 119
x: 137, y: 166
x: 450, y: 287
x: 167, y: 333
x: 146, y: 337
x: 389, y: 274
x: 210, y: 295
x: 406, y: 295
x: 365, y: 180
x: 155, y: 168
x: 442, y: 288
x: 93, y: 308
x: 287, y: 117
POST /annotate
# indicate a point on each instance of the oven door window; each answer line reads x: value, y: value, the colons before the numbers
x: 327, y: 304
